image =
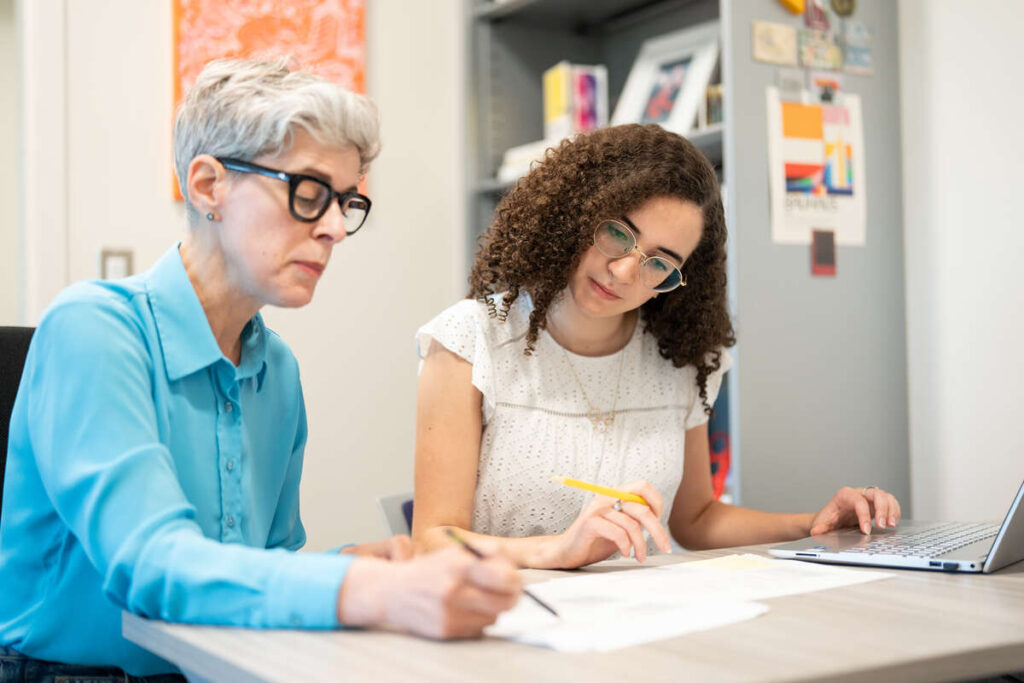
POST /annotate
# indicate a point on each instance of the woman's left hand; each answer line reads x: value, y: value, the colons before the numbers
x: 396, y: 548
x: 857, y: 507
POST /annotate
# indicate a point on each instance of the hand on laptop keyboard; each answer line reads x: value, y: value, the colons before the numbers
x: 857, y: 507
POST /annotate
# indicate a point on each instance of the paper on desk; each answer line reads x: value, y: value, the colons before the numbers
x: 632, y: 606
x: 585, y: 625
x: 733, y: 577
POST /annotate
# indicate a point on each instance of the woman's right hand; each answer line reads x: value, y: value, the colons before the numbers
x: 600, y: 531
x: 446, y: 594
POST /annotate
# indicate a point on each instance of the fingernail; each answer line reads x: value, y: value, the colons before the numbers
x: 892, y: 521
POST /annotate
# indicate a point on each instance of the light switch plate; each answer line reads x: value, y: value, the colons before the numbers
x: 115, y: 263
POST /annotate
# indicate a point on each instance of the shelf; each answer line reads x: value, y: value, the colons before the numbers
x: 707, y: 140
x: 494, y: 186
x: 578, y: 15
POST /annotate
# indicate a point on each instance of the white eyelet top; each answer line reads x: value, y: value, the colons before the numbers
x: 535, y: 422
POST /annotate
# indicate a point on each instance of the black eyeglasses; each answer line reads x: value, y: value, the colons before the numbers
x: 309, y: 197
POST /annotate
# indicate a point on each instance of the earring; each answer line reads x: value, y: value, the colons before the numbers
x: 211, y: 217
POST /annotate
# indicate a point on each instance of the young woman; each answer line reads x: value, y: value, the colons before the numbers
x: 593, y: 346
x: 157, y: 438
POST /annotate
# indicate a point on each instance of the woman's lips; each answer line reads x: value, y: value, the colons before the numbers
x: 311, y: 267
x: 603, y: 292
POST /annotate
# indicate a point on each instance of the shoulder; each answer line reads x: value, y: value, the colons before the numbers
x: 95, y: 329
x: 474, y: 318
x: 97, y: 309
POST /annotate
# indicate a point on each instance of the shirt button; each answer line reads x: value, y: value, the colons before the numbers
x: 230, y: 521
x: 230, y: 465
x: 228, y: 406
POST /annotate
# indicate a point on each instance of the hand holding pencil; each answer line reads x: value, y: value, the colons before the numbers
x: 615, y: 520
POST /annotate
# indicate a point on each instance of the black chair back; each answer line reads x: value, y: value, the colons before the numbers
x: 13, y: 349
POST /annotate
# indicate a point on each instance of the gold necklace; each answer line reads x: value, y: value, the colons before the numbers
x: 601, y: 421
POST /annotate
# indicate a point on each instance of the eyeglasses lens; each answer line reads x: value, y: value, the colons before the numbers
x: 310, y: 198
x: 354, y: 209
x: 612, y: 240
x: 659, y: 274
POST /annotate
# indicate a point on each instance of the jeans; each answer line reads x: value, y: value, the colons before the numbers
x: 17, y: 668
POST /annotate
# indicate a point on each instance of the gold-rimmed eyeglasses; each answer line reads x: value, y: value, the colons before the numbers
x: 614, y: 239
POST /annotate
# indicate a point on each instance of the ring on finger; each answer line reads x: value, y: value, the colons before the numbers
x: 617, y: 506
x: 864, y: 491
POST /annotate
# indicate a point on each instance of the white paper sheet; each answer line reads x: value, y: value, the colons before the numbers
x: 587, y: 626
x: 623, y: 608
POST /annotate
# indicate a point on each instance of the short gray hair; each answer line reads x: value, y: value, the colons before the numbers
x: 248, y: 108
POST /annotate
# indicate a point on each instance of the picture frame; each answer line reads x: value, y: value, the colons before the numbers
x: 668, y: 81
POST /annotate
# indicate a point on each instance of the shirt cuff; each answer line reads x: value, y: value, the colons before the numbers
x: 305, y: 591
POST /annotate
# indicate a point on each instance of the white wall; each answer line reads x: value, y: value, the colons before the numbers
x: 962, y: 95
x: 112, y: 77
x: 8, y: 167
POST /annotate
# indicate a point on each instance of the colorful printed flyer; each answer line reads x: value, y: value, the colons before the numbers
x: 816, y: 167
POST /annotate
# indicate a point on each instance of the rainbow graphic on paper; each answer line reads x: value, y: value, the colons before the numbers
x: 816, y: 149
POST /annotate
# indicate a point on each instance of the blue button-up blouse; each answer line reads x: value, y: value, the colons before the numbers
x: 146, y: 472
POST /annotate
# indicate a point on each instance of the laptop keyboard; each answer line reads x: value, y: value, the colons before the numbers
x: 929, y: 543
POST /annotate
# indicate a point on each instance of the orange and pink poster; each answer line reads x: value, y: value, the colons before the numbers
x: 816, y: 161
x: 327, y: 37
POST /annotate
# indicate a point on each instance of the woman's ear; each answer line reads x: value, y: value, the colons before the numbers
x: 206, y: 183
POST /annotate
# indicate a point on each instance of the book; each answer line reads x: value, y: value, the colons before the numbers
x: 575, y: 99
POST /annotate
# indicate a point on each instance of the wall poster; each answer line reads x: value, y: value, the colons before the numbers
x: 816, y: 168
x: 326, y: 37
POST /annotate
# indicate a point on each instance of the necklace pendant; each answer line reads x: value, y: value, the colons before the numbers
x: 602, y: 421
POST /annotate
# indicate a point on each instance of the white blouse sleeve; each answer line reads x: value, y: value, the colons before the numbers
x: 696, y: 415
x: 460, y: 330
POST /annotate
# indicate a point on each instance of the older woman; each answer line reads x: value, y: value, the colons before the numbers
x: 157, y: 439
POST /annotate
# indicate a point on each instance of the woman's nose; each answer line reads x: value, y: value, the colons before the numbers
x: 331, y: 224
x: 625, y: 268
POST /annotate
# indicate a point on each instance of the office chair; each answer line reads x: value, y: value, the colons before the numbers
x: 13, y: 349
x: 396, y: 511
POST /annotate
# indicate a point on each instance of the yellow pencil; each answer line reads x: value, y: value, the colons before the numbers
x: 624, y: 496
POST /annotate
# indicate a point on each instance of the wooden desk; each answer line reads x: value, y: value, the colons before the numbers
x: 918, y: 626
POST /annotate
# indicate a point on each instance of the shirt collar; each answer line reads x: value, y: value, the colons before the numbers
x: 185, y: 335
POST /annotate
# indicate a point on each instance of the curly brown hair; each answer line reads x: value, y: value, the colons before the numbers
x: 545, y: 223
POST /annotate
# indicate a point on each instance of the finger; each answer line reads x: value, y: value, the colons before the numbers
x: 461, y: 623
x: 497, y: 575
x: 632, y: 529
x: 602, y: 528
x: 455, y: 561
x: 649, y: 493
x: 400, y: 548
x: 863, y: 510
x: 649, y: 520
x: 880, y: 501
x: 486, y: 603
x: 899, y: 511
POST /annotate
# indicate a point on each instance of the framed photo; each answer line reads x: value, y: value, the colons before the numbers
x: 669, y: 79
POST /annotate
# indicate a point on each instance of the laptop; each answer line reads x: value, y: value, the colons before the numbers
x: 936, y: 546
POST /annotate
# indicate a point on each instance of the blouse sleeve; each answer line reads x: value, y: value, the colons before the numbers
x: 461, y: 330
x: 696, y: 415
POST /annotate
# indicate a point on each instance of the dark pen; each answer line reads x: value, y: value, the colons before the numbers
x: 476, y: 553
